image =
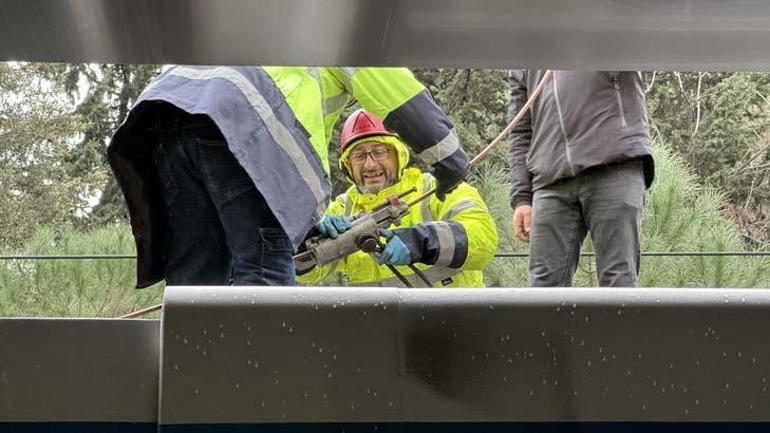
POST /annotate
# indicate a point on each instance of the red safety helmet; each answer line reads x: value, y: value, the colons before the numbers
x: 361, y: 124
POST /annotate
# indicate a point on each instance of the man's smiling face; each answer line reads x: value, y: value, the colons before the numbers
x: 373, y: 166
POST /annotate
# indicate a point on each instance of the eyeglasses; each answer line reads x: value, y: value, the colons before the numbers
x: 378, y: 154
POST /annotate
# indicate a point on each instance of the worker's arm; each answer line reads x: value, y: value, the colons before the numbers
x: 407, y: 108
x: 462, y: 235
x: 521, y: 178
x: 465, y: 207
x: 521, y: 136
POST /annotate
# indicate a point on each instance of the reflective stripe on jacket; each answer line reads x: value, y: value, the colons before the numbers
x: 277, y: 122
x: 318, y: 96
x: 463, y: 206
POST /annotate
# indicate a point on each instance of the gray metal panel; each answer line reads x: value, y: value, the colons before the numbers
x: 584, y: 34
x: 241, y: 355
x: 233, y: 354
x: 78, y: 370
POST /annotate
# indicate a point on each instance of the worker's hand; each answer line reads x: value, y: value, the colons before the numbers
x: 395, y: 252
x: 333, y: 225
x: 522, y: 222
x: 449, y: 172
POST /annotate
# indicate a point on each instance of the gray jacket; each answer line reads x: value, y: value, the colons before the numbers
x: 581, y: 120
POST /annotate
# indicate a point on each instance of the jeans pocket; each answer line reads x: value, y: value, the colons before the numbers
x: 274, y: 240
x: 224, y: 175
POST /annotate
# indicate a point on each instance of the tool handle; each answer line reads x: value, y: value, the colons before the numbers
x: 420, y: 275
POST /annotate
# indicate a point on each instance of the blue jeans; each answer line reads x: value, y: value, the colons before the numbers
x: 220, y: 229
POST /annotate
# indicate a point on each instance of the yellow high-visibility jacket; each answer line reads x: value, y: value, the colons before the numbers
x: 317, y: 96
x: 463, y: 208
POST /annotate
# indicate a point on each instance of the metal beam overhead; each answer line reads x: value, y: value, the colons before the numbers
x: 559, y: 34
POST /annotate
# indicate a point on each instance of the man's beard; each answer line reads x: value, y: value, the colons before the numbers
x: 390, y: 180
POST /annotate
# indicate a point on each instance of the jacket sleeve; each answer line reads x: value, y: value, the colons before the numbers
x: 317, y: 274
x: 407, y: 108
x: 521, y: 136
x: 463, y: 234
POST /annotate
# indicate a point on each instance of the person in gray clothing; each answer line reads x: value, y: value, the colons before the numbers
x: 580, y: 162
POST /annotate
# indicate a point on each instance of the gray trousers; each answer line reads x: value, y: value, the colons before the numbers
x: 606, y: 201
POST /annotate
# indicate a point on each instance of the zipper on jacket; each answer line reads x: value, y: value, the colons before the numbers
x: 616, y: 86
x: 561, y: 125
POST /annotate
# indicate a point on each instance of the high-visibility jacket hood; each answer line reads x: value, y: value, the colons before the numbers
x: 402, y: 154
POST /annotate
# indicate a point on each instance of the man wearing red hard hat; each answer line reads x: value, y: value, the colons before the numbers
x: 451, y: 241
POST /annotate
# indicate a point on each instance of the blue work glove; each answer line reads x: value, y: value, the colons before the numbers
x: 395, y: 252
x: 333, y: 225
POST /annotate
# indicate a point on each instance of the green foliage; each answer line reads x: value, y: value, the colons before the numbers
x: 74, y: 288
x: 36, y: 132
x: 683, y: 216
x: 719, y: 123
x: 711, y: 118
x: 493, y: 184
x: 53, y: 150
x: 476, y: 101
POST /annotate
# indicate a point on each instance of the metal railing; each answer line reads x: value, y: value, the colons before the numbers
x: 497, y: 255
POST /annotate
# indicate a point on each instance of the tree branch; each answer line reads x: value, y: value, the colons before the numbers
x: 697, y: 103
x: 652, y: 82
